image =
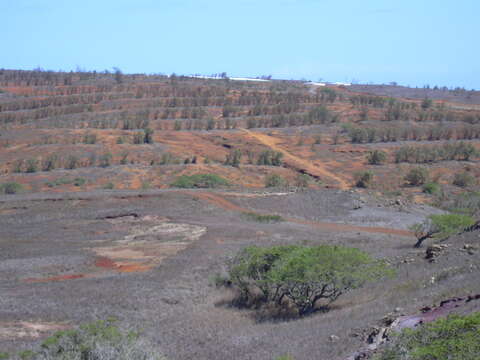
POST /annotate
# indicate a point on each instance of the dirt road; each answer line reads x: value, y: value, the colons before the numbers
x: 297, y: 163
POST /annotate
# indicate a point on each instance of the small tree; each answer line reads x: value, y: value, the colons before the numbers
x: 463, y: 179
x: 274, y: 180
x: 303, y: 180
x: 32, y: 166
x: 10, y: 188
x: 440, y: 226
x: 363, y: 179
x: 105, y: 160
x: 50, y: 163
x: 72, y: 162
x: 376, y: 157
x: 138, y: 138
x: 302, y: 275
x: 417, y: 176
x: 148, y: 136
x: 426, y: 103
x: 233, y: 158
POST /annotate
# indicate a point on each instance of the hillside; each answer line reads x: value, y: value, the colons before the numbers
x: 127, y: 196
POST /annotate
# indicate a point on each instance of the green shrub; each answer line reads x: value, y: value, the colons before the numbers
x: 32, y: 166
x: 269, y: 157
x: 79, y: 181
x: 274, y: 180
x: 233, y: 158
x: 463, y: 179
x: 376, y: 157
x: 363, y: 179
x: 148, y: 136
x: 200, y: 181
x: 431, y: 188
x: 4, y: 355
x: 262, y: 218
x: 105, y: 160
x: 417, y: 176
x: 27, y: 355
x: 109, y: 186
x: 139, y: 138
x: 66, y: 181
x: 93, y: 341
x: 426, y: 103
x: 303, y: 180
x: 301, y: 275
x: 72, y: 162
x: 427, y: 154
x: 90, y: 139
x: 453, y: 338
x: 50, y: 163
x: 10, y: 188
x: 449, y: 224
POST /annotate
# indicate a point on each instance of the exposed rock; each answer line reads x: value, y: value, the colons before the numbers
x: 433, y: 251
x: 470, y: 249
x: 333, y: 338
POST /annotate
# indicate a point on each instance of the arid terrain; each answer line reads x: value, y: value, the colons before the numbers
x: 94, y: 223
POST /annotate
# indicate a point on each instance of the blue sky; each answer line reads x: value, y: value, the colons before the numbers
x: 412, y: 42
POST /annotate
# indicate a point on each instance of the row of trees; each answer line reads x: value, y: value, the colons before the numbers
x: 426, y: 154
x: 359, y: 135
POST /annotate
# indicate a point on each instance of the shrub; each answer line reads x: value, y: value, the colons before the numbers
x: 10, y: 188
x: 166, y: 159
x: 301, y: 275
x: 441, y: 226
x: 32, y: 166
x: 417, y: 176
x: 363, y: 179
x: 269, y: 157
x: 90, y: 139
x: 200, y: 181
x: 425, y: 154
x: 463, y: 179
x: 72, y: 162
x: 274, y: 180
x: 431, y: 188
x: 376, y: 157
x: 426, y: 103
x: 139, y: 138
x: 124, y: 158
x: 79, y: 181
x: 66, y: 181
x: 454, y: 338
x: 109, y: 186
x: 449, y: 224
x: 97, y: 340
x: 148, y: 136
x: 105, y: 160
x: 303, y: 180
x: 233, y: 158
x: 49, y: 163
x: 319, y: 115
x: 262, y: 218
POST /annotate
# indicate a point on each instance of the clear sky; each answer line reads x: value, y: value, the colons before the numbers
x: 412, y: 42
